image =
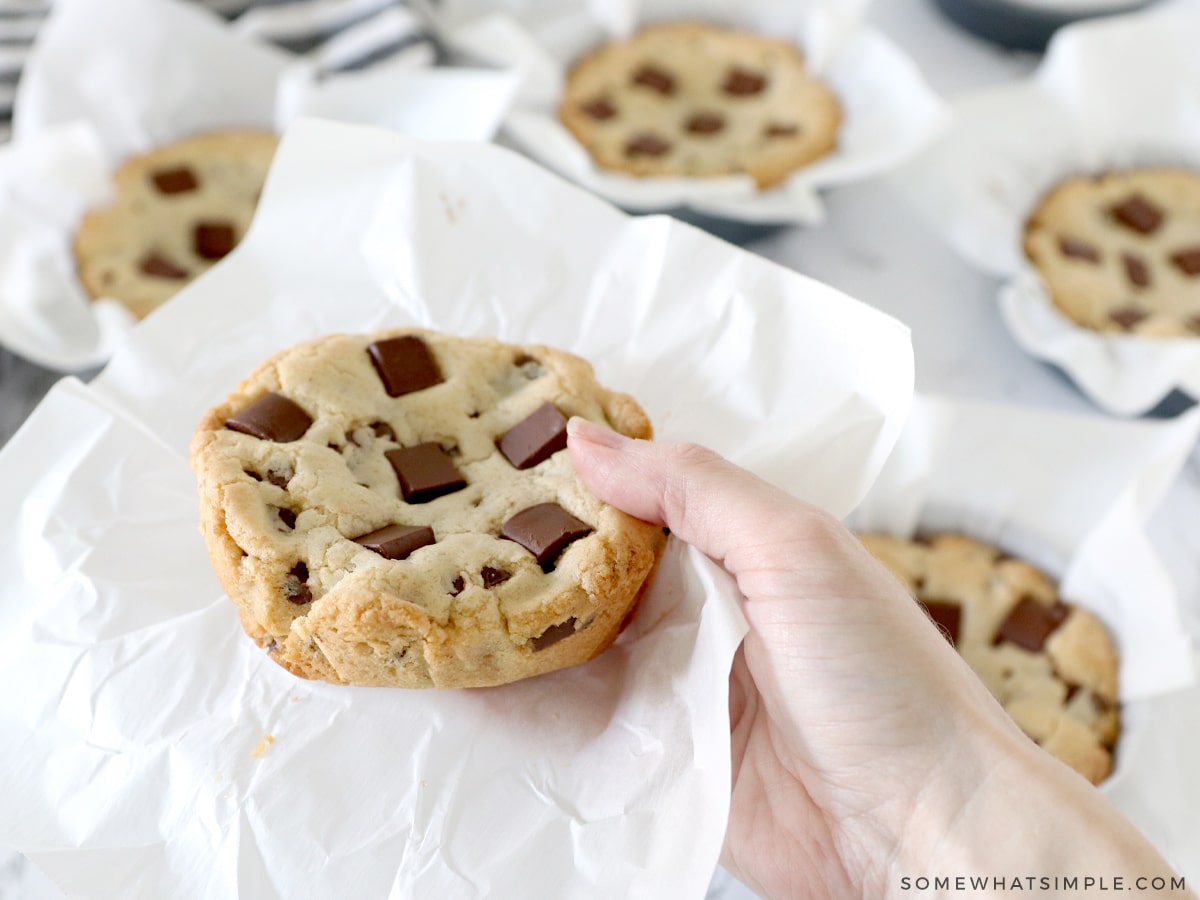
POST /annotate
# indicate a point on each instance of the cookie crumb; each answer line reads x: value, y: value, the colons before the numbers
x: 263, y: 746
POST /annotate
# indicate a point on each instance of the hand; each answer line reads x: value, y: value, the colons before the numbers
x: 863, y: 747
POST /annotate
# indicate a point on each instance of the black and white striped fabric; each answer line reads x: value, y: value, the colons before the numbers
x: 337, y: 35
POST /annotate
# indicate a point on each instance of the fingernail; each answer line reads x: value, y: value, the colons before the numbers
x: 588, y: 431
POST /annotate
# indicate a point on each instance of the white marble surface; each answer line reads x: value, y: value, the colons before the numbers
x: 875, y: 249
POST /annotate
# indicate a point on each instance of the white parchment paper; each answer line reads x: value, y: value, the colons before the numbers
x: 1072, y: 494
x: 1081, y: 112
x: 889, y: 112
x: 128, y: 758
x: 108, y: 80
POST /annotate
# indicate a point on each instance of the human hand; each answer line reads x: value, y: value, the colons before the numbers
x: 863, y: 747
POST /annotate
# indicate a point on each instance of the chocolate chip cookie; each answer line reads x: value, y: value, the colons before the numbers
x: 1120, y: 252
x: 1050, y: 663
x: 700, y: 100
x: 399, y: 509
x: 175, y: 211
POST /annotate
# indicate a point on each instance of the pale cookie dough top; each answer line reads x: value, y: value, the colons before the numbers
x: 175, y: 212
x: 1050, y: 663
x: 692, y: 99
x: 1120, y: 252
x: 399, y: 509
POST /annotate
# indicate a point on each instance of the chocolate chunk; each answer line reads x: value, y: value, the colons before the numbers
x: 397, y: 541
x: 601, y: 109
x: 295, y: 585
x: 1187, y: 261
x: 535, y: 438
x: 647, y: 144
x: 272, y: 417
x: 456, y: 586
x: 544, y: 530
x: 781, y: 129
x: 553, y: 635
x: 1127, y: 317
x: 705, y: 123
x: 175, y: 181
x: 1136, y: 270
x: 213, y: 240
x: 1077, y: 249
x: 1138, y: 213
x: 946, y: 615
x: 1030, y: 623
x: 288, y: 518
x: 405, y: 364
x: 158, y: 266
x: 492, y: 577
x: 656, y: 79
x: 743, y: 82
x: 252, y: 474
x: 425, y: 472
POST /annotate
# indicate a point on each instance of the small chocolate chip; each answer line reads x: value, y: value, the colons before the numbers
x: 175, y: 181
x: 272, y: 417
x: 397, y: 541
x: 660, y: 80
x: 253, y: 474
x: 1030, y: 623
x: 280, y: 477
x: 705, y: 123
x: 1187, y: 261
x: 383, y: 430
x: 553, y: 635
x: 158, y: 266
x: 213, y: 240
x: 647, y: 144
x: 946, y: 615
x: 545, y: 531
x: 535, y: 438
x: 1072, y: 690
x: 601, y: 109
x: 492, y: 576
x: 1127, y: 317
x: 741, y: 82
x: 1138, y: 213
x: 1136, y: 270
x: 405, y: 364
x: 1077, y: 249
x: 781, y: 129
x: 456, y: 586
x: 288, y: 518
x: 295, y: 585
x: 425, y: 472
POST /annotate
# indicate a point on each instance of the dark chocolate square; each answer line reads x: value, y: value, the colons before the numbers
x: 213, y: 240
x: 272, y: 417
x: 425, y: 472
x: 397, y: 541
x: 1030, y: 623
x: 535, y: 438
x: 947, y: 615
x: 544, y: 530
x: 405, y: 364
x: 179, y: 180
x: 553, y: 635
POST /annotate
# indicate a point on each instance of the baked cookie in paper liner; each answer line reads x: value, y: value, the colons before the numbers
x: 175, y: 212
x: 1120, y: 252
x: 700, y: 100
x: 398, y: 509
x: 1050, y: 663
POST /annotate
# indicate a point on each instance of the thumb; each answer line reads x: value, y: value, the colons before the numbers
x: 703, y: 498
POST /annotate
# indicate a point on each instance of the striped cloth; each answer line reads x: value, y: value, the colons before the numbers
x: 337, y: 35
